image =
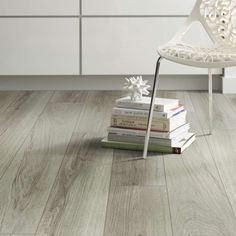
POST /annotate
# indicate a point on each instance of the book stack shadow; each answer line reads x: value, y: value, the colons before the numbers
x: 169, y: 131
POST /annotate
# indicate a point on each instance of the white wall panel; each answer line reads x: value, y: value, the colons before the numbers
x: 128, y: 45
x: 137, y: 7
x: 229, y: 81
x: 39, y: 7
x: 39, y: 46
x: 230, y: 72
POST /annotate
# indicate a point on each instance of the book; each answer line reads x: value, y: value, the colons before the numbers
x: 140, y: 139
x: 154, y: 134
x: 144, y: 113
x: 178, y: 149
x: 158, y: 124
x: 161, y: 104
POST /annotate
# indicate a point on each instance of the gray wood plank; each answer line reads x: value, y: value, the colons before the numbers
x: 10, y: 104
x: 138, y: 203
x: 138, y: 210
x: 70, y: 96
x: 129, y: 168
x: 97, y: 113
x: 78, y: 200
x: 223, y: 141
x: 198, y: 201
x: 222, y: 146
x: 6, y: 98
x: 73, y: 201
x: 26, y: 185
x: 77, y: 204
x: 18, y: 234
x: 16, y: 123
x: 223, y: 113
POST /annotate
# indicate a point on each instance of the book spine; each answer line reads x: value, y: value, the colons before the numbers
x: 137, y: 113
x: 139, y: 124
x: 176, y: 150
x: 138, y: 139
x: 143, y: 119
x: 136, y: 132
x: 158, y: 108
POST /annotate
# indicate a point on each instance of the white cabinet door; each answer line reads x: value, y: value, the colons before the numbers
x: 129, y: 45
x: 137, y: 7
x: 39, y: 7
x: 39, y: 46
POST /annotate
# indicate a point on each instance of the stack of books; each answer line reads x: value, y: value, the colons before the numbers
x: 169, y: 130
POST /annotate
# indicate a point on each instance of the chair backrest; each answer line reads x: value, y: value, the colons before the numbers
x: 217, y: 17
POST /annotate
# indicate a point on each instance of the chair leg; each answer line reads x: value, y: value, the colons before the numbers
x: 210, y: 99
x: 150, y: 115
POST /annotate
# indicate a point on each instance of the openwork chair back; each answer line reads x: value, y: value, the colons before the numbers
x: 218, y: 18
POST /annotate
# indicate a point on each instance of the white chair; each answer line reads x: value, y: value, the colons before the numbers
x: 216, y: 17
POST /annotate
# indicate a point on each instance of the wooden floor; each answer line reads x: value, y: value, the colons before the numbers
x: 55, y: 179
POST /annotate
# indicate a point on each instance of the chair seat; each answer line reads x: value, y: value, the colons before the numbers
x: 215, y: 57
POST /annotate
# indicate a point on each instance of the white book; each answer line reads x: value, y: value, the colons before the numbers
x: 185, y: 143
x: 158, y: 124
x: 140, y: 139
x: 144, y: 113
x: 181, y: 145
x: 154, y: 134
x: 161, y: 104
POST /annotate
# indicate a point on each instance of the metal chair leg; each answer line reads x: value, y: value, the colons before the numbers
x: 150, y: 115
x: 210, y: 99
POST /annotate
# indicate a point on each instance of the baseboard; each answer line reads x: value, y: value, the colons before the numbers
x: 167, y: 82
x: 229, y: 84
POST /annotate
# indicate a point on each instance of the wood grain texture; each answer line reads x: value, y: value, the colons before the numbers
x: 6, y: 98
x: 223, y: 114
x: 16, y: 123
x: 138, y: 202
x: 97, y: 112
x: 70, y: 96
x: 198, y: 201
x: 27, y: 183
x: 138, y: 210
x: 222, y: 142
x: 129, y: 169
x: 78, y: 200
x: 16, y: 234
x: 77, y: 204
x: 61, y: 182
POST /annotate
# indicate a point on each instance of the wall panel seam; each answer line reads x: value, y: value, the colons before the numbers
x: 93, y: 16
x: 134, y: 16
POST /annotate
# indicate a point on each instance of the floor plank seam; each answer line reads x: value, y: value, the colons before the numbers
x: 26, y: 137
x: 216, y: 166
x: 108, y: 197
x: 168, y: 199
x: 58, y: 172
x: 6, y: 108
x: 231, y: 106
x: 22, y: 146
x: 10, y: 104
x: 221, y: 180
x: 86, y: 190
